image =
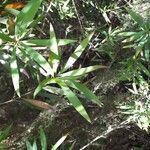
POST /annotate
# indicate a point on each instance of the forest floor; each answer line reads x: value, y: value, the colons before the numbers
x: 110, y: 128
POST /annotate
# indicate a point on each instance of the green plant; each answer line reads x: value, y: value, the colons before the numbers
x: 19, y: 45
x: 44, y: 142
x: 22, y: 49
x: 69, y: 79
x: 138, y: 110
x: 65, y: 8
x: 3, y: 135
x: 139, y: 40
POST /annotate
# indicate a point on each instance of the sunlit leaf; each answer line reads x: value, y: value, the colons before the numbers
x: 77, y: 53
x: 132, y: 37
x: 43, y: 139
x: 38, y: 58
x: 73, y: 100
x: 136, y: 17
x: 54, y: 57
x: 14, y: 71
x: 6, y: 38
x: 12, y: 11
x: 31, y: 147
x: 54, y: 90
x: 59, y: 142
x: 87, y: 93
x: 26, y: 15
x: 47, y: 42
x: 82, y: 71
x: 42, y: 85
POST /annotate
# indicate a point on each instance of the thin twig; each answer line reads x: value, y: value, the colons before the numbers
x: 104, y: 134
x: 76, y: 11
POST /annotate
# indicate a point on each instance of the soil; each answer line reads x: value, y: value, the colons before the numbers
x: 109, y: 129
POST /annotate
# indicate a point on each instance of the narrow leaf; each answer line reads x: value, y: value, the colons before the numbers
x: 26, y: 15
x: 136, y: 17
x: 38, y: 58
x: 144, y: 69
x: 6, y: 38
x: 77, y: 53
x: 14, y: 71
x: 43, y: 139
x: 47, y: 42
x: 73, y: 100
x: 43, y: 84
x: 53, y: 90
x: 54, y: 57
x: 82, y: 71
x: 87, y: 93
x: 59, y: 142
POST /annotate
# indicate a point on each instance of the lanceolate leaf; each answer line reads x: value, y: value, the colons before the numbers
x: 43, y: 139
x: 39, y: 59
x: 59, y: 142
x: 87, y: 93
x: 54, y: 57
x: 47, y: 42
x: 26, y: 15
x: 136, y: 17
x: 77, y: 53
x: 14, y: 71
x: 31, y: 147
x: 144, y: 69
x: 6, y: 38
x: 42, y: 85
x: 73, y: 100
x: 81, y: 72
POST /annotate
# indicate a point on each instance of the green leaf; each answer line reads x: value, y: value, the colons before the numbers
x: 81, y: 72
x: 144, y: 69
x: 127, y: 33
x: 54, y: 57
x: 77, y: 53
x: 12, y: 11
x: 6, y: 38
x: 43, y: 139
x: 39, y: 59
x: 47, y: 42
x: 4, y: 134
x: 31, y: 147
x: 14, y: 71
x: 62, y: 42
x: 136, y: 17
x: 43, y: 84
x: 73, y: 100
x: 59, y: 142
x: 26, y: 16
x: 132, y: 37
x: 53, y: 90
x: 147, y: 52
x: 82, y: 88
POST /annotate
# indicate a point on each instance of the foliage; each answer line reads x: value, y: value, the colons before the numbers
x: 140, y: 41
x: 20, y: 47
x: 139, y: 110
x: 70, y: 79
x: 23, y: 49
x: 65, y: 8
x: 44, y: 142
x: 3, y: 135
